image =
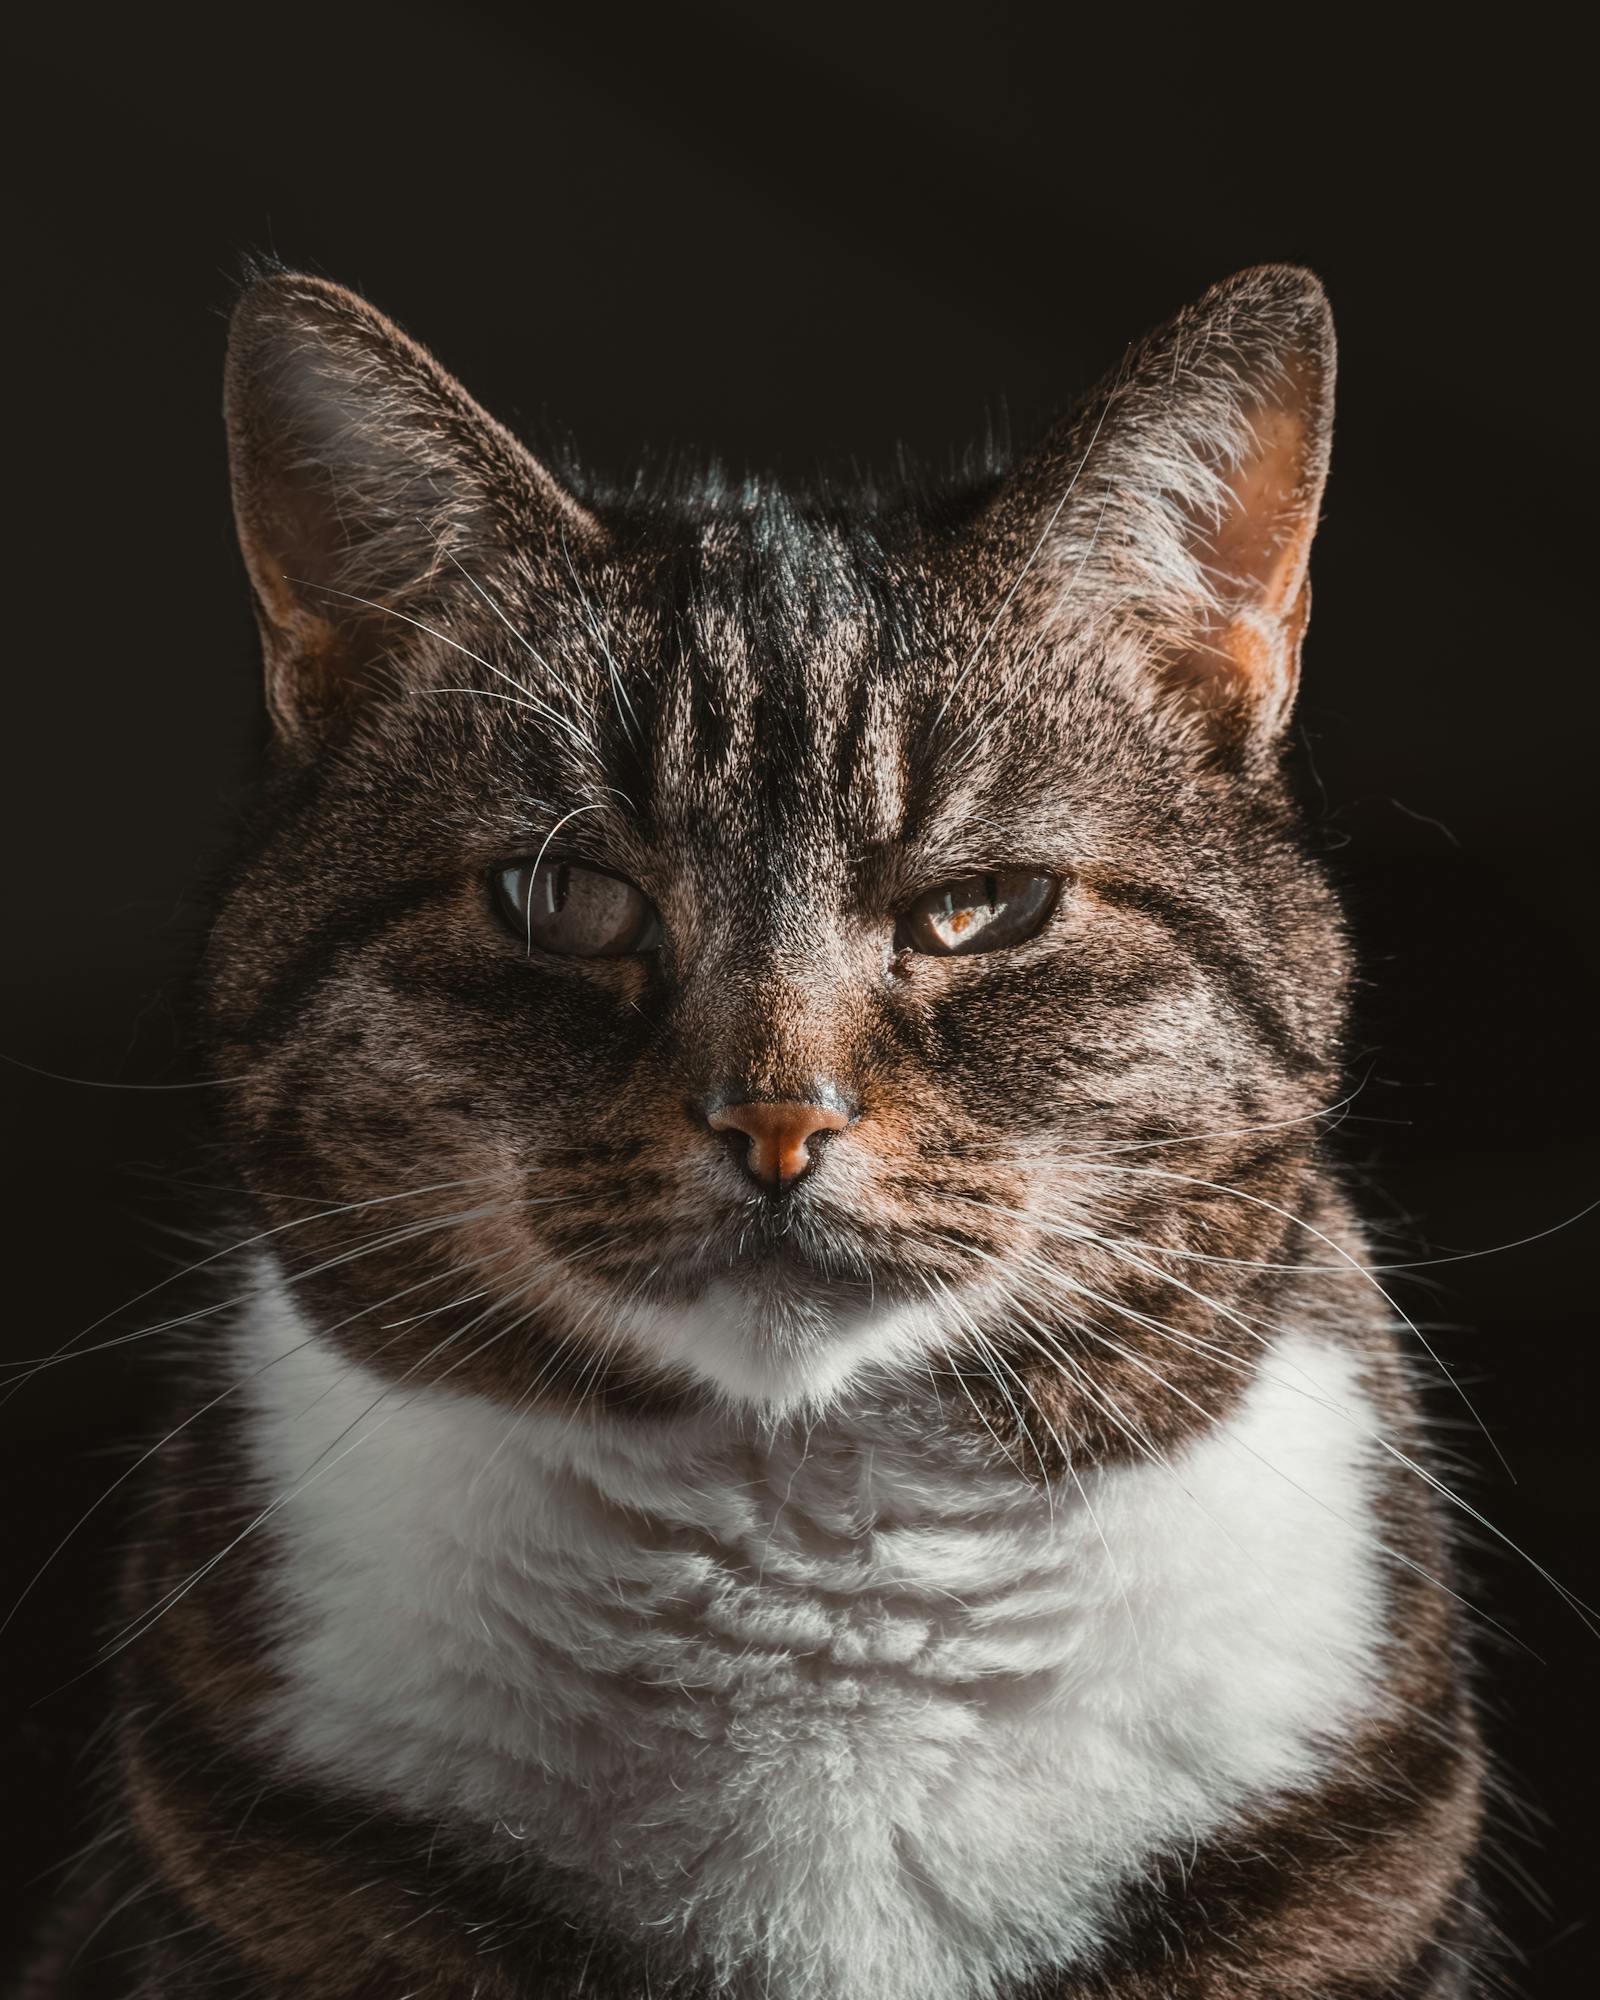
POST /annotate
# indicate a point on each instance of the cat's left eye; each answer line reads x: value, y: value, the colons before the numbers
x: 574, y: 911
x: 987, y: 912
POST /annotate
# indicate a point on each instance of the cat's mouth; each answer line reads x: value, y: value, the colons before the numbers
x: 786, y: 1250
x: 774, y: 1312
x: 794, y: 1264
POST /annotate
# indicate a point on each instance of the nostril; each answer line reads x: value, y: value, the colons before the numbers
x: 776, y: 1143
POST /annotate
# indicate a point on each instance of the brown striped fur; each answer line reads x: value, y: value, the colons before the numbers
x: 783, y: 718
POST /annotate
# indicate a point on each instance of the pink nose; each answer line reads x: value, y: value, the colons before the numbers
x: 777, y: 1134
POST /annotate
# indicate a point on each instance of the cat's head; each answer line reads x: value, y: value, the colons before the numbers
x: 729, y: 942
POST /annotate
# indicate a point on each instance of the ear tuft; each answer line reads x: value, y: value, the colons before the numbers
x: 365, y: 480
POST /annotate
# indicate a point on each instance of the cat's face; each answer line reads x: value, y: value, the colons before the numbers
x: 737, y: 944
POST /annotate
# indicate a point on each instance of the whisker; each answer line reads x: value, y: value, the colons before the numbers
x: 988, y: 1348
x: 1033, y: 556
x: 1568, y: 1597
x: 977, y: 1408
x: 1394, y: 1555
x: 385, y: 1241
x: 1353, y: 1263
x: 105, y: 1083
x: 523, y: 697
x: 320, y: 1466
x: 246, y: 1243
x: 210, y: 1404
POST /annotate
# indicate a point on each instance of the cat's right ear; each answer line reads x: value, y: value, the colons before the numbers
x: 368, y: 487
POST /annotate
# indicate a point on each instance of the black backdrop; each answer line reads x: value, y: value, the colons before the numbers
x: 799, y: 237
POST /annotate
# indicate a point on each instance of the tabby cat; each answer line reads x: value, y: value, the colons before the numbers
x: 799, y: 1416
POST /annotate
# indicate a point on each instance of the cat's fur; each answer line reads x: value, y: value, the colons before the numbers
x: 997, y: 1571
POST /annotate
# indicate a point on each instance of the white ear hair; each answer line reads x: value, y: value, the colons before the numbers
x: 1183, y: 497
x: 365, y: 479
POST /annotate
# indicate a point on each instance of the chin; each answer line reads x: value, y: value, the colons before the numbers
x: 782, y: 1340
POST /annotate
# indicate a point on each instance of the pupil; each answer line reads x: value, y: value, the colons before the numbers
x: 557, y: 881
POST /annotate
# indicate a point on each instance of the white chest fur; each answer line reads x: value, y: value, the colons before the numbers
x: 860, y: 1713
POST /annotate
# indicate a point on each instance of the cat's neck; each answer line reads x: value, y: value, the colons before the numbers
x: 566, y: 1634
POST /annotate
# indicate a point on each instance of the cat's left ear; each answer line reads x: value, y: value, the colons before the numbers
x: 370, y: 492
x: 1180, y: 503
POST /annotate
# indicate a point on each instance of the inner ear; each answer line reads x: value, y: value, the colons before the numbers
x: 368, y: 488
x: 1173, y: 512
x: 1251, y: 544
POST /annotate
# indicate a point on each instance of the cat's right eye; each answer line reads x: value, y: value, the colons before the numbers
x: 574, y: 911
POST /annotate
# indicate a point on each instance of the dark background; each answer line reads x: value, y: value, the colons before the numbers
x: 800, y: 238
